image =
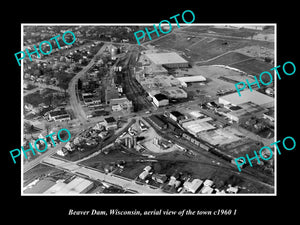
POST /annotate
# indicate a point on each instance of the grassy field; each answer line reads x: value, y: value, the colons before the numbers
x: 222, y: 31
x: 207, y: 42
x: 227, y: 59
x: 254, y: 67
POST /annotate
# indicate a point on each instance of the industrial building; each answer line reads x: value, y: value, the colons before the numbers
x: 169, y: 59
x: 158, y: 122
x: 190, y: 79
x: 76, y: 186
x: 198, y: 125
x: 160, y: 100
x: 59, y: 115
x: 245, y: 111
x: 176, y: 116
x: 253, y: 96
x: 121, y: 104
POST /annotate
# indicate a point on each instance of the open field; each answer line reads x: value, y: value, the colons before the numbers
x: 214, y: 83
x: 199, y: 43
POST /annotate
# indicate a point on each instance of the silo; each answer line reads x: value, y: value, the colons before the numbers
x: 113, y: 51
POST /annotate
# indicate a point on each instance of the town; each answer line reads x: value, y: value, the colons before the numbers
x: 157, y: 118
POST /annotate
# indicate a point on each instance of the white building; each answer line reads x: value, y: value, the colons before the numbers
x: 247, y: 96
x: 192, y: 186
x: 62, y: 152
x: 190, y: 79
x: 121, y: 104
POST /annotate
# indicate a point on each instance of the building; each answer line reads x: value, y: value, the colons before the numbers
x: 111, y: 92
x: 144, y: 174
x: 90, y: 100
x: 247, y: 95
x: 198, y: 125
x: 110, y: 123
x: 121, y: 104
x: 176, y: 116
x: 76, y: 186
x: 245, y: 111
x: 158, y: 122
x: 169, y: 60
x: 192, y: 186
x: 159, y: 178
x: 206, y: 190
x: 62, y: 152
x: 160, y: 100
x: 59, y: 115
x: 190, y: 79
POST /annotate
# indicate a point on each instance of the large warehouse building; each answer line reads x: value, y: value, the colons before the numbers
x: 77, y: 186
x: 169, y: 59
x: 248, y: 96
x: 191, y: 79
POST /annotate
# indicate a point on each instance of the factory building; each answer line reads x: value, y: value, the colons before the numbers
x: 252, y: 96
x: 169, y: 60
x: 184, y: 81
x: 59, y: 115
x: 198, y: 125
x: 160, y: 100
x: 176, y: 116
x: 77, y: 186
x: 245, y: 111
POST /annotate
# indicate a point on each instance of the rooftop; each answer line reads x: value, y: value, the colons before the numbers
x: 165, y: 58
x: 191, y: 79
x: 160, y: 97
x: 110, y: 120
x: 246, y: 96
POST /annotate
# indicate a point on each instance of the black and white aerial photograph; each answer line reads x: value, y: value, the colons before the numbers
x: 138, y: 109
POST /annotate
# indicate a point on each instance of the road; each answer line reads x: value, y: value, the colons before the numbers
x: 74, y: 101
x: 49, y: 152
x: 100, y: 176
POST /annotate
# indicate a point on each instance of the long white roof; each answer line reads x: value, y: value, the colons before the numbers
x: 166, y: 58
x: 191, y: 79
x: 246, y: 96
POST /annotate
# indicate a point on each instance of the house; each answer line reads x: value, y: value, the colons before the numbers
x: 70, y: 146
x: 159, y: 178
x: 232, y: 190
x: 143, y: 175
x: 192, y: 186
x: 208, y: 183
x: 147, y: 168
x: 62, y: 152
x: 206, y: 190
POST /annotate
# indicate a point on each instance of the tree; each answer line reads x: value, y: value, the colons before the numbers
x: 79, y: 84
